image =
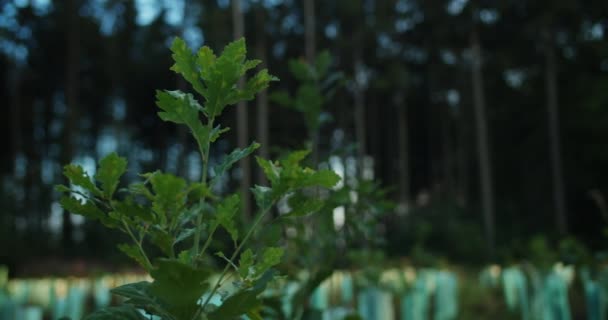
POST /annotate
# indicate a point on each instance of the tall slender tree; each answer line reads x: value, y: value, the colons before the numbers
x: 262, y: 98
x: 483, y: 148
x: 553, y: 126
x: 72, y: 65
x: 242, y: 117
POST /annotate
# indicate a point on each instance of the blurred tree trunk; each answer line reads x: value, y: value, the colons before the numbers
x: 554, y: 137
x: 462, y: 149
x: 485, y: 167
x: 403, y: 153
x: 182, y: 132
x: 242, y: 117
x: 262, y: 98
x: 359, y: 101
x: 14, y: 79
x: 309, y: 30
x: 310, y: 52
x: 71, y: 96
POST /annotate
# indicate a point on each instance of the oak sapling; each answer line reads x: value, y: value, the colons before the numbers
x: 180, y: 218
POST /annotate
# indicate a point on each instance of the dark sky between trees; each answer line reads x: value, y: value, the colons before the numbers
x: 486, y: 119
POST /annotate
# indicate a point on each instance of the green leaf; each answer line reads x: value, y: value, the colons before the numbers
x: 242, y: 301
x: 271, y: 170
x: 254, y: 315
x: 324, y: 178
x: 161, y: 239
x: 205, y: 59
x: 186, y: 64
x: 282, y: 98
x: 254, y: 85
x: 309, y: 100
x: 322, y: 63
x: 124, y: 312
x: 86, y: 209
x: 111, y: 168
x: 225, y: 215
x: 233, y: 158
x: 301, y: 70
x: 245, y: 263
x: 216, y: 132
x: 179, y: 286
x: 140, y: 189
x: 138, y: 294
x: 182, y: 108
x: 263, y: 197
x: 198, y: 190
x: 294, y: 158
x: 184, y: 235
x: 302, y: 205
x: 222, y: 73
x: 79, y: 177
x: 271, y: 257
x: 130, y: 208
x: 287, y: 175
x: 169, y: 196
x: 132, y: 251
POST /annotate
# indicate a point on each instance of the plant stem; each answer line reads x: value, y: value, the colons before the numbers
x: 208, y: 242
x: 199, y: 218
x: 138, y: 243
x: 236, y: 252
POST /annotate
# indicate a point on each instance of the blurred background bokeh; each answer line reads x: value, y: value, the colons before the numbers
x: 487, y: 121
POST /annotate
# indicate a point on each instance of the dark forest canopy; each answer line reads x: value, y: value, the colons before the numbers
x: 78, y: 82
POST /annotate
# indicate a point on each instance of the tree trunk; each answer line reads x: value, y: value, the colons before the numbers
x: 554, y: 137
x: 359, y: 101
x: 485, y: 168
x: 309, y: 30
x: 262, y: 99
x: 242, y: 118
x: 403, y: 154
x: 310, y: 52
x: 71, y: 96
x: 182, y: 135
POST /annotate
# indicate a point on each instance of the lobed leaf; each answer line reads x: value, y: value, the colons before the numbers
x: 111, y: 168
x: 132, y: 209
x: 271, y: 170
x: 324, y: 178
x: 86, y: 209
x: 263, y: 197
x: 225, y: 215
x: 245, y: 263
x: 161, y: 239
x: 270, y: 257
x: 242, y: 301
x: 79, y: 177
x: 231, y: 159
x: 182, y: 108
x: 302, y: 205
x: 178, y: 286
x: 186, y: 64
x: 169, y: 196
x: 132, y: 251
